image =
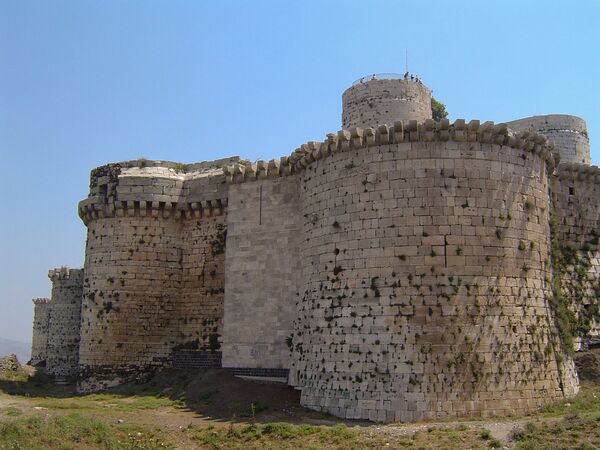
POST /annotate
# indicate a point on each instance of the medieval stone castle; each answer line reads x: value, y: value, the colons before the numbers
x: 401, y: 269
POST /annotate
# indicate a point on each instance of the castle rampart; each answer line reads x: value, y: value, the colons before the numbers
x: 64, y: 322
x: 568, y: 133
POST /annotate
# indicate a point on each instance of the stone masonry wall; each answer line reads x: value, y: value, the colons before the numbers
x: 576, y: 191
x: 154, y: 268
x: 64, y: 322
x: 39, y: 339
x: 200, y: 306
x: 569, y: 134
x: 376, y: 102
x: 133, y: 277
x: 425, y: 268
x: 262, y: 270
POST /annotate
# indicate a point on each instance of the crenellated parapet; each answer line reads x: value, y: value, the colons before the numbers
x: 579, y: 172
x: 64, y: 273
x: 38, y: 301
x: 568, y: 133
x: 402, y: 131
x: 156, y: 189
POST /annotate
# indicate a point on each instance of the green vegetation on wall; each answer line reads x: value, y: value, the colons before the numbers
x: 575, y: 310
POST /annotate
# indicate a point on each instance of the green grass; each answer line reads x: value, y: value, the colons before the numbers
x: 289, y: 436
x: 73, y: 431
x: 11, y: 411
x: 117, y: 402
x: 588, y: 400
x: 276, y: 435
x: 570, y: 432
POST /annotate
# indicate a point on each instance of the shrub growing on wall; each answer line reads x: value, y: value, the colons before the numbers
x: 438, y: 110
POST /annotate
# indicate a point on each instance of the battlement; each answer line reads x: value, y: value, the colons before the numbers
x: 109, y: 172
x: 40, y: 301
x: 64, y: 273
x: 579, y: 172
x: 156, y: 189
x: 410, y: 131
x: 568, y: 133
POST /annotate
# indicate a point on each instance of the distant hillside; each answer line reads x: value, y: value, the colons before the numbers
x: 21, y: 349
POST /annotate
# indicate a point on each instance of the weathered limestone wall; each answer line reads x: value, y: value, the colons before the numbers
x: 39, y: 339
x: 576, y: 191
x: 262, y: 267
x: 203, y: 260
x: 425, y: 273
x: 133, y: 276
x: 154, y: 268
x: 200, y: 307
x: 64, y: 322
x: 569, y: 134
x: 385, y: 101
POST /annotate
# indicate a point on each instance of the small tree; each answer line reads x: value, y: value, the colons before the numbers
x: 438, y: 110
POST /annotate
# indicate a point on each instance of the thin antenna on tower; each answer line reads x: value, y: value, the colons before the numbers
x: 406, y: 60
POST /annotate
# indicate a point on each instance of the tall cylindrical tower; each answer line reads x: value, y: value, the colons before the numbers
x: 384, y: 99
x: 426, y: 275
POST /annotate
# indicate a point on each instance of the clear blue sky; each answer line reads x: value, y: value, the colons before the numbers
x: 83, y: 83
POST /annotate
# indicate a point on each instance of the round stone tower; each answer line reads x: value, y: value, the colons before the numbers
x: 384, y: 99
x: 425, y: 262
x: 154, y: 261
x: 568, y: 133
